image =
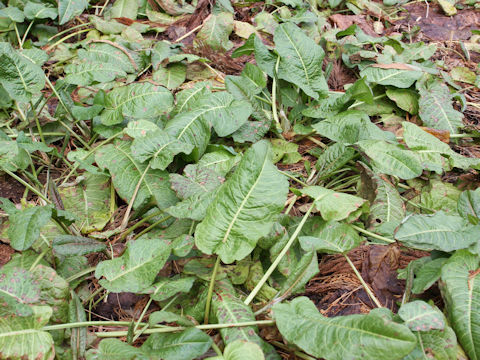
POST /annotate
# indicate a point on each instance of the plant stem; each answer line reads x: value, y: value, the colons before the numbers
x: 216, y: 349
x: 364, y: 284
x: 373, y: 235
x: 66, y: 38
x: 293, y: 178
x: 274, y: 96
x: 26, y: 32
x: 138, y: 224
x: 28, y: 186
x: 280, y: 256
x: 168, y: 329
x: 152, y: 226
x: 67, y: 30
x: 80, y: 274
x: 210, y: 290
x: 124, y: 223
x: 85, y: 324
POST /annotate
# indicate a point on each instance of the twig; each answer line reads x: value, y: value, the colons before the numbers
x: 364, y: 284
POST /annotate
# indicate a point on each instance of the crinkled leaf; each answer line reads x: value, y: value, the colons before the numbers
x: 300, y: 59
x: 196, y: 180
x: 137, y: 100
x: 136, y: 269
x: 342, y: 337
x: 420, y: 316
x: 245, y: 207
x: 159, y: 148
x: 170, y: 76
x: 427, y: 275
x: 391, y: 159
x: 17, y: 291
x: 333, y: 205
x: 69, y: 245
x: 90, y: 201
x: 437, y: 232
x: 126, y: 173
x: 435, y: 344
x: 216, y: 31
x: 332, y: 159
x: 461, y: 293
x: 241, y: 350
x: 332, y: 238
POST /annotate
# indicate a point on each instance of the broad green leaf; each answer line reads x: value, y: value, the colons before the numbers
x: 439, y: 195
x: 124, y: 8
x: 22, y: 338
x: 435, y: 344
x: 182, y: 245
x: 194, y: 207
x: 263, y: 57
x: 437, y: 232
x: 331, y: 238
x: 342, y: 337
x: 288, y: 151
x: 127, y: 173
x: 305, y: 269
x: 229, y: 309
x: 137, y: 100
x: 420, y: 316
x: 427, y: 275
x: 403, y: 77
x: 163, y: 316
x: 333, y: 205
x: 196, y: 180
x: 469, y: 205
x: 436, y: 109
x: 188, y: 344
x: 461, y: 293
x: 406, y: 99
x: 68, y: 9
x: 350, y: 127
x: 69, y: 245
x: 90, y: 201
x: 114, y: 349
x: 255, y: 274
x: 159, y: 148
x: 187, y: 98
x: 140, y: 128
x: 35, y: 10
x: 245, y: 207
x: 168, y: 287
x: 171, y: 76
x: 136, y: 269
x: 13, y: 13
x: 300, y: 59
x: 215, y: 32
x: 391, y: 159
x: 18, y: 291
x: 387, y: 209
x: 20, y: 77
x: 220, y: 160
x: 241, y: 350
x: 25, y: 226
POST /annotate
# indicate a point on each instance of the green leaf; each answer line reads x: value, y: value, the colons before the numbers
x: 90, y: 201
x: 68, y: 245
x: 420, y: 316
x: 391, y: 159
x: 403, y: 77
x: 241, y: 350
x: 13, y: 13
x: 333, y: 158
x: 350, y: 127
x: 127, y: 173
x: 124, y: 8
x: 387, y: 209
x: 461, y: 293
x: 229, y: 309
x: 137, y: 100
x: 342, y: 337
x: 263, y: 57
x: 136, y: 269
x: 163, y: 316
x: 68, y: 9
x: 405, y: 99
x: 305, y: 269
x: 171, y: 76
x: 188, y: 344
x: 18, y: 291
x: 332, y: 238
x: 427, y: 275
x: 35, y: 10
x: 435, y: 344
x: 20, y: 77
x: 25, y: 226
x: 437, y: 232
x: 300, y: 59
x: 168, y: 287
x: 436, y: 109
x: 22, y: 337
x: 216, y: 31
x: 245, y: 207
x: 333, y: 205
x: 469, y: 205
x: 114, y: 349
x: 196, y: 180
x: 159, y: 147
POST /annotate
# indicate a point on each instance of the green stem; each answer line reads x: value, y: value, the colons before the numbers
x: 280, y: 256
x: 39, y: 257
x: 85, y: 324
x: 169, y: 329
x: 210, y: 290
x: 274, y: 96
x: 27, y: 31
x: 18, y: 36
x: 37, y: 122
x: 363, y: 102
x: 293, y: 178
x: 216, y: 349
x: 66, y: 38
x: 138, y: 224
x: 28, y: 186
x: 364, y: 284
x: 152, y: 226
x: 67, y: 30
x: 80, y: 274
x: 124, y: 223
x: 373, y: 235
